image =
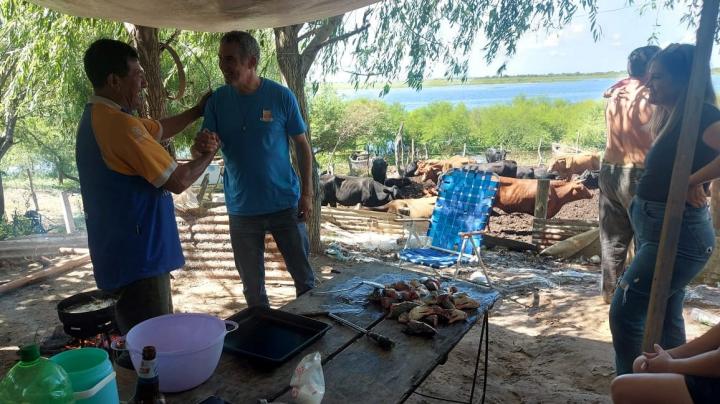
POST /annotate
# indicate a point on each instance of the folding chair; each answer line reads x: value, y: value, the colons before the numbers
x: 465, y: 198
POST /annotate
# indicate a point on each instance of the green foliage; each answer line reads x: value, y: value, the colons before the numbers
x: 526, y: 123
x: 43, y: 83
x: 343, y: 126
x: 18, y: 226
x: 340, y: 126
x: 328, y: 110
x: 441, y: 126
x: 402, y: 38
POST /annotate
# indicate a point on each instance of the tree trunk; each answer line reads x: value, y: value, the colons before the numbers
x: 148, y: 47
x: 2, y: 198
x: 291, y: 66
x: 6, y: 142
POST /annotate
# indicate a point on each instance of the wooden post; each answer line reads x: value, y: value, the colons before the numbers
x: 398, y: 150
x: 412, y: 150
x: 541, y: 198
x: 67, y: 213
x: 426, y: 152
x: 203, y: 187
x: 539, y: 154
x: 464, y: 149
x: 681, y: 172
x: 32, y: 191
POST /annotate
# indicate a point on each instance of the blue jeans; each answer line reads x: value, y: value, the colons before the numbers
x: 247, y: 234
x: 629, y: 307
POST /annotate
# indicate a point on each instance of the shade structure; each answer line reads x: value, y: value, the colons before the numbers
x: 206, y: 15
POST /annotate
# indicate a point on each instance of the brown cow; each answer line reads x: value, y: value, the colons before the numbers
x: 431, y: 169
x: 420, y: 208
x: 517, y: 195
x: 574, y: 164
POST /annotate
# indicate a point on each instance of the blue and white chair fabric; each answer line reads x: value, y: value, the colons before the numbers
x: 462, y: 211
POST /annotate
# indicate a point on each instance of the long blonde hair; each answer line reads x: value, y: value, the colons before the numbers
x: 677, y: 61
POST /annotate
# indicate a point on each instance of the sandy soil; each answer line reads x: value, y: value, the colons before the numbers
x: 549, y: 339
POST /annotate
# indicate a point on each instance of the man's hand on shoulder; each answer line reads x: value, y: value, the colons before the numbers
x: 203, y: 100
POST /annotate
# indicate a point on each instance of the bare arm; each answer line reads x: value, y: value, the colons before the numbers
x: 175, y: 124
x: 705, y: 364
x: 704, y: 343
x: 185, y: 174
x: 711, y: 171
x: 304, y: 155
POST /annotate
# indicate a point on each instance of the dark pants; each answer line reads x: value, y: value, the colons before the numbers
x: 629, y: 307
x: 247, y: 234
x: 141, y: 300
x: 617, y: 188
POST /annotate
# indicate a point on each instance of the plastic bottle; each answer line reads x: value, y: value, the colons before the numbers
x: 36, y: 380
x: 148, y: 384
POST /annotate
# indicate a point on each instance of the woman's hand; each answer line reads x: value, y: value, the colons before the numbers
x: 696, y: 196
x: 658, y: 361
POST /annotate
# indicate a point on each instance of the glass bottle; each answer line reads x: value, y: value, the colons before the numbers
x: 148, y: 384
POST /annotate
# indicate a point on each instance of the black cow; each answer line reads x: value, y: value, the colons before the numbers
x: 397, y: 182
x: 492, y: 154
x: 590, y: 179
x: 379, y: 170
x: 505, y: 168
x: 350, y: 191
x: 525, y: 172
x: 410, y: 169
x: 542, y: 173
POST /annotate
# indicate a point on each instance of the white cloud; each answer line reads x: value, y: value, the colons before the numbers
x: 689, y: 37
x: 539, y: 41
x: 576, y: 28
x: 616, y: 36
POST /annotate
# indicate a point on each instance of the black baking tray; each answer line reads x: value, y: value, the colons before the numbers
x: 270, y: 336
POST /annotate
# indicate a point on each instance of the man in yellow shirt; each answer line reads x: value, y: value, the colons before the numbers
x: 126, y: 177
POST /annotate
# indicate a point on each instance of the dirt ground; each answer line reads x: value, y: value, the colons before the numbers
x: 549, y: 338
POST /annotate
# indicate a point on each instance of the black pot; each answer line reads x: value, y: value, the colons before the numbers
x: 87, y: 324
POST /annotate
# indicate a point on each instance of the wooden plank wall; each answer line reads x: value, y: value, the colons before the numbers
x: 206, y: 243
x: 547, y: 232
x: 357, y: 220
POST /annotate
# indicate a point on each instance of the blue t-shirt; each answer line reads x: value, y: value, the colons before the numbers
x: 131, y: 228
x: 254, y: 130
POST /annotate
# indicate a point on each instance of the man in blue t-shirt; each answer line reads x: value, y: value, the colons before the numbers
x: 255, y: 119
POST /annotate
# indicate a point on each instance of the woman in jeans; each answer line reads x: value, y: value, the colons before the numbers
x: 668, y: 84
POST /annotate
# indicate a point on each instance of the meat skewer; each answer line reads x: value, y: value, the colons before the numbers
x: 383, y: 341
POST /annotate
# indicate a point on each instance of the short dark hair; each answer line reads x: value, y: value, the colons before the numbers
x: 639, y: 60
x: 107, y: 56
x: 247, y: 44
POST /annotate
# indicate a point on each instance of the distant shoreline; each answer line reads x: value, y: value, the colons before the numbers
x: 531, y: 78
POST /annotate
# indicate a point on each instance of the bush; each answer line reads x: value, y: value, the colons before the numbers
x: 339, y: 126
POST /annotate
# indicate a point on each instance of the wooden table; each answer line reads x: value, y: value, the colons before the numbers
x: 355, y: 368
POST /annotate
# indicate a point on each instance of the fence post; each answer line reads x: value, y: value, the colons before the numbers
x: 67, y: 213
x: 32, y: 191
x: 541, y: 198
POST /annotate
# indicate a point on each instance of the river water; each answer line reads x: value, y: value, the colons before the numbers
x: 482, y: 95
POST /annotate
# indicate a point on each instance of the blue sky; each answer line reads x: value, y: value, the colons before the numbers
x: 573, y: 49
